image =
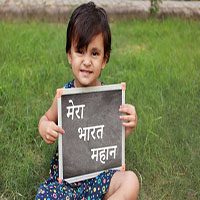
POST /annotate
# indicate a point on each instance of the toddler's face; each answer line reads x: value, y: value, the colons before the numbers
x: 87, y: 63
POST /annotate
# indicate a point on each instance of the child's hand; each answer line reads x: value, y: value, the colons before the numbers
x: 49, y: 131
x: 129, y: 118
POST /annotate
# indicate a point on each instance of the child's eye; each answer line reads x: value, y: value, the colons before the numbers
x: 95, y: 53
x: 80, y: 51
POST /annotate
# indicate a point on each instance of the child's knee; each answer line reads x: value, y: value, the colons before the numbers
x: 132, y: 180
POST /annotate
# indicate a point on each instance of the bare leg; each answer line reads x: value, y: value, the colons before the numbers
x: 123, y: 186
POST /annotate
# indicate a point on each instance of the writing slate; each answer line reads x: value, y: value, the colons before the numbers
x: 94, y: 136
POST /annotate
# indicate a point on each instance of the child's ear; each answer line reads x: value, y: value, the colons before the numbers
x: 69, y: 57
x: 104, y: 63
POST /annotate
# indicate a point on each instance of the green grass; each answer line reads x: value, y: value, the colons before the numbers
x: 159, y: 60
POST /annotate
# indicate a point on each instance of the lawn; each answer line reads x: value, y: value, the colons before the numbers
x: 160, y: 62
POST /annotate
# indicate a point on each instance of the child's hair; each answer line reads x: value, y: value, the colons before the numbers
x: 87, y: 21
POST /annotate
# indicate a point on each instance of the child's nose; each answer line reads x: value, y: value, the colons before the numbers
x: 87, y: 61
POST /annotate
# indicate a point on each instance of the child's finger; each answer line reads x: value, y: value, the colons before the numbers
x: 127, y: 108
x: 57, y: 128
x: 129, y: 124
x: 49, y: 139
x: 128, y: 118
x: 53, y: 134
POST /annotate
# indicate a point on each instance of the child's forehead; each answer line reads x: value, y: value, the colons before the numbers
x: 95, y: 41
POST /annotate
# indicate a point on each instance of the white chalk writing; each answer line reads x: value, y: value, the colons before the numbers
x: 93, y: 131
x: 103, y: 153
x: 74, y: 108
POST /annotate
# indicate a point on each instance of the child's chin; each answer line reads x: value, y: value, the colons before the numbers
x: 85, y: 84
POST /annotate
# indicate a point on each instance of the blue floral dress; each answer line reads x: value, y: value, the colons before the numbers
x: 91, y: 189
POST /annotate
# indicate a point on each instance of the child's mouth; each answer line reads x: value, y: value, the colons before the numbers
x: 85, y: 72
